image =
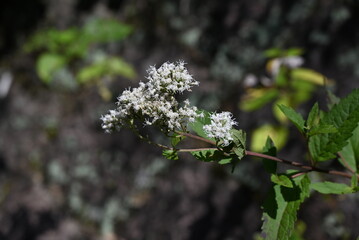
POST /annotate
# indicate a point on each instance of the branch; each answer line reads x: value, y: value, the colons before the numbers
x: 196, y: 137
x: 299, y: 165
x: 194, y: 149
x: 294, y: 164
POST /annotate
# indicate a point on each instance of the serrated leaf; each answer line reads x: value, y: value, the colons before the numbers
x: 197, y: 125
x: 350, y: 153
x: 269, y: 149
x: 212, y: 156
x: 239, y: 140
x: 280, y: 208
x: 293, y: 116
x: 239, y: 137
x: 331, y: 188
x: 170, y: 154
x: 345, y: 117
x: 282, y: 180
x: 322, y: 129
x: 284, y: 99
x: 313, y: 116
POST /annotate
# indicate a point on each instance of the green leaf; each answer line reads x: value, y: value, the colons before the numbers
x: 280, y: 208
x: 354, y: 181
x: 279, y: 134
x: 47, y: 64
x: 106, y: 30
x: 273, y: 52
x: 322, y: 129
x: 197, y: 125
x: 239, y: 140
x: 269, y: 149
x: 294, y: 52
x: 257, y: 98
x: 212, y: 156
x: 308, y: 75
x: 345, y: 117
x: 282, y: 180
x: 350, y: 153
x: 282, y: 77
x: 293, y: 116
x: 108, y: 67
x: 170, y: 154
x: 313, y: 116
x: 176, y: 138
x: 331, y: 188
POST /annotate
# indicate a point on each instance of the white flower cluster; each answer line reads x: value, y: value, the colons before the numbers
x: 220, y: 126
x: 153, y: 102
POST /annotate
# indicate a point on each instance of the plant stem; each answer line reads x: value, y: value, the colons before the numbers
x: 196, y: 137
x: 261, y: 155
x: 299, y: 165
x: 195, y: 149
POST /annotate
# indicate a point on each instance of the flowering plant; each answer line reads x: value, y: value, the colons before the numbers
x: 330, y: 135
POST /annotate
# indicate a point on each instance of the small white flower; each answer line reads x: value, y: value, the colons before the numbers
x: 154, y: 102
x: 220, y: 126
x: 171, y: 77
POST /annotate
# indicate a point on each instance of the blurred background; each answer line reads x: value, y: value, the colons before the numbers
x: 64, y: 62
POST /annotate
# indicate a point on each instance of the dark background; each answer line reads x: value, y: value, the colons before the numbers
x: 62, y: 177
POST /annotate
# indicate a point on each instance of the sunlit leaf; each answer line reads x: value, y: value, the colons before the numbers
x: 110, y: 67
x: 257, y: 98
x: 281, y: 206
x: 310, y: 76
x: 350, y: 153
x: 331, y: 188
x: 279, y: 134
x: 282, y: 180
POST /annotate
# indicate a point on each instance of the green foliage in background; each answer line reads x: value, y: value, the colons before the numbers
x: 330, y: 135
x: 290, y: 85
x: 75, y: 51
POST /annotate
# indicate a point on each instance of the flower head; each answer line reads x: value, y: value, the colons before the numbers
x: 171, y: 77
x: 220, y: 126
x: 153, y: 102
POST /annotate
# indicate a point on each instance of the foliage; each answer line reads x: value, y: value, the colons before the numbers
x: 75, y: 50
x: 288, y: 87
x: 327, y: 134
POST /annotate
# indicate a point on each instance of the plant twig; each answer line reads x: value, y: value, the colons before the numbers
x: 190, y: 135
x: 195, y: 149
x: 261, y: 155
x: 299, y: 165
